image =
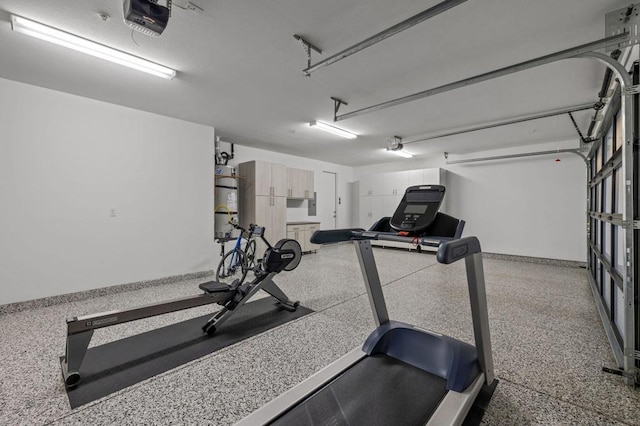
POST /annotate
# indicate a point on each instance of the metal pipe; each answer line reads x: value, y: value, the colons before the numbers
x: 553, y: 57
x: 525, y: 154
x: 218, y: 151
x: 407, y: 23
x: 621, y: 74
x: 606, y: 81
x: 521, y: 119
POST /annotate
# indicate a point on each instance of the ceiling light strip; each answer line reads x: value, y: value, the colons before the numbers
x: 400, y: 152
x: 332, y: 129
x: 553, y: 57
x: 407, y: 23
x: 61, y: 38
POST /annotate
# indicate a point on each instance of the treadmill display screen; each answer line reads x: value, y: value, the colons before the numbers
x: 415, y: 208
x: 424, y: 196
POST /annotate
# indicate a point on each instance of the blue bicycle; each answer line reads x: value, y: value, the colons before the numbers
x: 236, y: 263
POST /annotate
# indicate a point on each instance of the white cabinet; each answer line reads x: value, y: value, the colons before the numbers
x: 302, y: 232
x: 370, y: 210
x: 300, y: 183
x: 389, y: 204
x: 433, y: 177
x: 263, y: 189
x: 394, y: 183
x: 370, y: 185
x: 380, y: 194
x: 415, y: 177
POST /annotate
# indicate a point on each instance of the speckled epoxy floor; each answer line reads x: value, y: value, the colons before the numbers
x: 548, y: 344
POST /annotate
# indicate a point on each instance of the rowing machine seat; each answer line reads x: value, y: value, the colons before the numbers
x: 214, y: 287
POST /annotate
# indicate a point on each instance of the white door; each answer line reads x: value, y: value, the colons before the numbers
x: 326, y: 204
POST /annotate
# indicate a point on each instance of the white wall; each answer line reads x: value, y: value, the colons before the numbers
x: 65, y: 162
x: 532, y: 206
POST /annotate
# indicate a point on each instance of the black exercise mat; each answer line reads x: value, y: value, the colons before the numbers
x: 114, y: 366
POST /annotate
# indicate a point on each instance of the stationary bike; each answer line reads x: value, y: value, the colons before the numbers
x: 284, y: 256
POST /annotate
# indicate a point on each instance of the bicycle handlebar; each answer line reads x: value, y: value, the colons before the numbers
x: 249, y: 233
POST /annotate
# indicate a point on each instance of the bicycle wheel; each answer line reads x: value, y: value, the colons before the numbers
x: 230, y: 267
x: 250, y: 255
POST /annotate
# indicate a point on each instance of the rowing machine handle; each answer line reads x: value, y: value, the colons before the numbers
x: 452, y: 251
x: 334, y: 235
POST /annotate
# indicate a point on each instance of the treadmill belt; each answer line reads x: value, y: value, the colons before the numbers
x: 378, y: 390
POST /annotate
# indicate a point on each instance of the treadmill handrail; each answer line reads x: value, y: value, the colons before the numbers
x: 454, y: 250
x: 351, y: 234
x: 334, y: 235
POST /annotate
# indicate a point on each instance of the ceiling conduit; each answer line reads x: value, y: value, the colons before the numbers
x: 626, y: 85
x: 578, y: 152
x: 407, y: 23
x: 553, y: 57
x: 492, y: 125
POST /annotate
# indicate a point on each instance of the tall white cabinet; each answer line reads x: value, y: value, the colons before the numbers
x: 263, y: 199
x: 380, y: 193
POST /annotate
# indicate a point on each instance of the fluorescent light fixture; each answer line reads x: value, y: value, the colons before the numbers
x: 400, y: 152
x: 44, y: 32
x: 332, y: 129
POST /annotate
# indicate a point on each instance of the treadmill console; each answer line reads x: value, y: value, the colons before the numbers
x: 418, y: 208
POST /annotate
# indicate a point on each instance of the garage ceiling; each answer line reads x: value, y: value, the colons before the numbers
x: 240, y: 69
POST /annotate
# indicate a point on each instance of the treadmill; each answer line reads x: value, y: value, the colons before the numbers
x: 402, y: 375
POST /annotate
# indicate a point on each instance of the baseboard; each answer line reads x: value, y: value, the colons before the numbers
x: 538, y: 260
x: 97, y: 292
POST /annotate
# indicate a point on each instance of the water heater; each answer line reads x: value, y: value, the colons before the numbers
x: 226, y: 200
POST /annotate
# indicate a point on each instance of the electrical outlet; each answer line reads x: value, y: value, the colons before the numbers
x: 112, y: 212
